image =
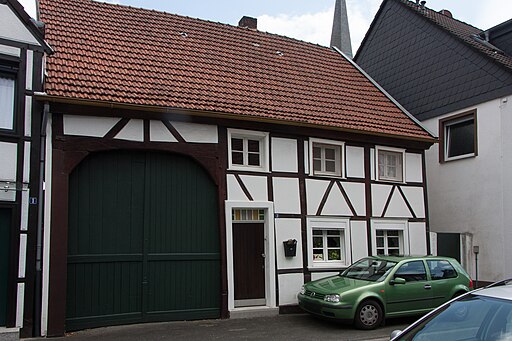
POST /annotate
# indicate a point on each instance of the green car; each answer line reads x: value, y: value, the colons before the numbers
x: 374, y: 288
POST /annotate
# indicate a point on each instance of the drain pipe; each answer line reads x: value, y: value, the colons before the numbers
x: 39, y: 250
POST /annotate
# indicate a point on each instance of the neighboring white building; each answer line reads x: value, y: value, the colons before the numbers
x: 456, y: 79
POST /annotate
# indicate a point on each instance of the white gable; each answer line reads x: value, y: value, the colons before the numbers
x: 12, y: 28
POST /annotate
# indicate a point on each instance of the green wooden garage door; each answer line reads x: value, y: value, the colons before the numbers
x: 143, y: 241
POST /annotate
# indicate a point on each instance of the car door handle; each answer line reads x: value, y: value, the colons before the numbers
x: 427, y: 286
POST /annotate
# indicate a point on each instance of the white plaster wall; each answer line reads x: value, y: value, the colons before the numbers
x: 235, y: 192
x: 197, y: 133
x: 359, y: 236
x: 133, y: 131
x: 20, y: 304
x: 257, y: 186
x: 289, y: 286
x: 380, y: 194
x: 433, y: 243
x: 336, y: 204
x: 8, y: 153
x: 315, y: 190
x: 22, y: 256
x: 413, y: 167
x: 397, y: 207
x: 26, y: 162
x: 417, y: 239
x: 158, y: 132
x: 415, y: 198
x: 28, y: 115
x: 9, y: 50
x: 286, y: 195
x: 355, y: 162
x: 29, y: 70
x: 13, y: 29
x: 88, y: 125
x: 473, y: 195
x: 288, y: 229
x: 356, y: 192
x: 284, y: 155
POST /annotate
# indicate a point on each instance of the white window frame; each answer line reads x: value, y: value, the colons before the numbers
x: 401, y: 151
x: 340, y: 224
x: 340, y: 164
x: 263, y: 137
x: 394, y: 225
x: 445, y: 125
x: 11, y: 106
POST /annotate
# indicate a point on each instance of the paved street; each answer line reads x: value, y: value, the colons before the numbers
x: 281, y: 327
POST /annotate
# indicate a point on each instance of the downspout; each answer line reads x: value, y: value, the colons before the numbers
x: 39, y: 247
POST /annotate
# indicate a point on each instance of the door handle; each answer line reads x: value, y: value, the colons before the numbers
x: 263, y: 255
x: 427, y: 286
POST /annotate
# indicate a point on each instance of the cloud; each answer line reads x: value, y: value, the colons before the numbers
x: 316, y: 27
x: 313, y: 27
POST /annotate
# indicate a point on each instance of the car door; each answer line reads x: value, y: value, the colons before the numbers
x: 413, y: 296
x: 442, y: 275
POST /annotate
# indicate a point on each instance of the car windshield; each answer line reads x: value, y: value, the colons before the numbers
x: 473, y: 317
x: 369, y: 269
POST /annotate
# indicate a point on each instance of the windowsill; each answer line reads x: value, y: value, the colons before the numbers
x: 460, y: 157
x: 390, y: 181
x: 248, y: 169
x: 328, y: 265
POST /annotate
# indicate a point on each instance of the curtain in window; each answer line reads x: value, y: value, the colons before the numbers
x: 6, y: 102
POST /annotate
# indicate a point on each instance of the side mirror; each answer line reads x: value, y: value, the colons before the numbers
x: 395, y: 333
x: 397, y: 280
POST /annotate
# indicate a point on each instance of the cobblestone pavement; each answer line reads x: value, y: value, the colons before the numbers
x: 280, y: 327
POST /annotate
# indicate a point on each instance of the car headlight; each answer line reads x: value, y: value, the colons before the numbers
x: 302, y: 290
x: 332, y: 298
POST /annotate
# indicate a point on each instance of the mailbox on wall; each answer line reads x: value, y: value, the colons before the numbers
x: 290, y: 248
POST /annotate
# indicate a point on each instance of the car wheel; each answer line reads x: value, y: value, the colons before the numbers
x: 368, y: 315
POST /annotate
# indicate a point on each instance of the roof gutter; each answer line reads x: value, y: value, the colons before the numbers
x: 181, y: 111
x: 414, y: 119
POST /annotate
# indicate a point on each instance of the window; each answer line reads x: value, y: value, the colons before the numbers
x: 248, y: 215
x: 390, y: 164
x: 327, y: 157
x: 7, y: 95
x: 389, y: 237
x: 327, y: 245
x: 412, y: 271
x: 458, y: 137
x: 328, y: 242
x: 441, y: 269
x: 389, y: 242
x: 248, y: 150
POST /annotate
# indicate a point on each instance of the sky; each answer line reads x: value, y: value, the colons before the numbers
x: 311, y: 20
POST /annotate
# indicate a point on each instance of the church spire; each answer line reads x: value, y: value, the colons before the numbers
x: 340, y: 36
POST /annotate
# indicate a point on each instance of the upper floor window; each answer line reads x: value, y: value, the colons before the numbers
x: 458, y: 137
x: 390, y: 164
x: 327, y: 157
x: 248, y: 150
x: 7, y: 95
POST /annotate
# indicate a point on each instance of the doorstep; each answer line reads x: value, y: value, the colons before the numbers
x: 9, y: 334
x: 250, y: 312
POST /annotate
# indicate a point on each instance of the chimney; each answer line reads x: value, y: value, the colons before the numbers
x: 248, y: 22
x: 446, y: 12
x: 422, y: 3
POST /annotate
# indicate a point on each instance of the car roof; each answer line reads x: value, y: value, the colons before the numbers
x: 401, y: 258
x: 503, y: 291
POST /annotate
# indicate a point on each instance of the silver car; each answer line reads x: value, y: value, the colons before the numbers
x: 483, y: 314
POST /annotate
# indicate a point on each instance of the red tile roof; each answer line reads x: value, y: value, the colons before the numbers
x: 125, y: 55
x: 462, y: 31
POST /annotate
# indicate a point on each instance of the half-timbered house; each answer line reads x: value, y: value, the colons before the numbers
x: 202, y: 170
x: 21, y: 54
